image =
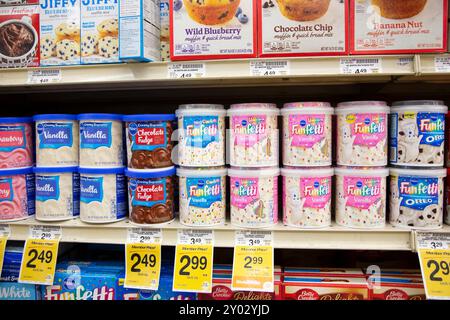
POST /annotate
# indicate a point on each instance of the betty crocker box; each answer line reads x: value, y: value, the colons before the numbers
x: 398, y: 26
x: 17, y: 2
x: 301, y: 27
x: 398, y: 288
x: 323, y: 272
x: 213, y: 29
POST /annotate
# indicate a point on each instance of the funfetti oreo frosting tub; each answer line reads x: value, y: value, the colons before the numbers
x: 16, y: 142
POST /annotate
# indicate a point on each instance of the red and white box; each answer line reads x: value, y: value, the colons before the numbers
x: 398, y: 288
x: 325, y: 288
x: 398, y: 26
x: 17, y: 2
x: 398, y: 273
x: 212, y: 29
x: 289, y: 28
x: 323, y: 272
x: 19, y: 36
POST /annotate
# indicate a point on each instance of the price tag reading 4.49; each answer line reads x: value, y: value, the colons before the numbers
x: 40, y: 255
x: 434, y: 256
x: 143, y: 258
x: 4, y: 234
x: 194, y: 261
x: 253, y: 261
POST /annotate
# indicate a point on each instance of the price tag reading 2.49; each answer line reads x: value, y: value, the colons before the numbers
x: 253, y: 261
x: 40, y: 255
x: 194, y: 261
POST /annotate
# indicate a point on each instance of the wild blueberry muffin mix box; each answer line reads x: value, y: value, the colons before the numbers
x: 165, y: 30
x: 212, y: 29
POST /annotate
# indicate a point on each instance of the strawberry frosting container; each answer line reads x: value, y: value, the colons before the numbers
x: 16, y: 142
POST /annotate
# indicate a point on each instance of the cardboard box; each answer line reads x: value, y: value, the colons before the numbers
x: 323, y: 272
x: 165, y: 30
x: 398, y: 288
x: 8, y: 3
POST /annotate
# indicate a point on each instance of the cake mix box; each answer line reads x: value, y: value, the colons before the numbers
x: 17, y: 2
x: 398, y: 288
x: 302, y: 27
x: 19, y: 36
x: 139, y: 25
x: 398, y: 26
x: 165, y: 30
x: 213, y: 29
x: 99, y: 31
x: 60, y: 32
x: 324, y: 272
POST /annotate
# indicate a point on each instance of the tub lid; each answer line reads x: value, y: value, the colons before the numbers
x: 54, y: 169
x: 422, y: 172
x: 365, y: 172
x: 307, y: 108
x: 253, y: 172
x: 362, y: 107
x: 151, y: 173
x: 420, y: 105
x: 149, y: 117
x: 54, y: 116
x: 200, y: 109
x: 203, y: 172
x: 16, y: 119
x: 85, y: 170
x: 307, y: 172
x: 11, y: 172
x: 100, y: 116
x: 249, y: 108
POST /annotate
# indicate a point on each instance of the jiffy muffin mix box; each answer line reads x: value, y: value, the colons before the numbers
x: 165, y: 29
x: 212, y: 29
x: 302, y: 27
x: 60, y: 32
x: 398, y: 26
x: 99, y: 31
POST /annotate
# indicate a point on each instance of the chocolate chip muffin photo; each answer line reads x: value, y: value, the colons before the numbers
x: 211, y: 12
x: 399, y: 9
x: 18, y: 42
x: 303, y: 10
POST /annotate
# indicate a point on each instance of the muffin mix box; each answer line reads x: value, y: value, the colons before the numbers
x: 398, y: 26
x: 213, y: 29
x: 99, y: 31
x: 60, y: 32
x: 19, y: 36
x: 398, y: 288
x: 302, y: 27
x: 165, y: 29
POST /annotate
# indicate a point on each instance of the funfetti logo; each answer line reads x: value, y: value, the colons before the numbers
x: 418, y: 188
x: 432, y: 124
x: 307, y: 127
x: 368, y: 188
x: 370, y: 126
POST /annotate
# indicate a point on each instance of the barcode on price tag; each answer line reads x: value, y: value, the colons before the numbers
x: 186, y: 70
x: 442, y: 63
x: 360, y: 65
x: 45, y: 232
x: 432, y: 240
x: 269, y: 68
x: 199, y: 237
x: 253, y: 238
x: 43, y: 76
x: 142, y: 235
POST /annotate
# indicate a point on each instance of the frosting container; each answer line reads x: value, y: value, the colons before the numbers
x: 57, y: 193
x: 57, y: 140
x: 149, y: 140
x: 254, y: 197
x: 362, y: 133
x: 253, y: 135
x: 16, y: 194
x: 16, y: 142
x: 201, y: 135
x: 418, y: 133
x: 307, y: 130
x: 151, y: 195
x: 202, y: 196
x: 307, y: 197
x: 417, y: 198
x: 103, y: 195
x: 361, y: 197
x: 101, y: 140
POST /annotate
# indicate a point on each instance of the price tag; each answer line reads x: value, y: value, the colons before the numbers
x: 194, y: 261
x: 434, y: 256
x: 186, y: 70
x: 253, y: 261
x: 44, y: 76
x: 4, y: 235
x: 40, y: 255
x: 270, y: 68
x: 442, y: 63
x: 143, y: 258
x: 360, y: 65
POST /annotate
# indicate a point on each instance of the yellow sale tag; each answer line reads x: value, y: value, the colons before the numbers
x: 3, y: 241
x: 39, y: 261
x: 143, y: 266
x: 436, y: 272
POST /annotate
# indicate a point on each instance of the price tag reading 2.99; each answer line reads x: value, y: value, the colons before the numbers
x: 194, y: 261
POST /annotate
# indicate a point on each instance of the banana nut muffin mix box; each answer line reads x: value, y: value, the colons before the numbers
x: 213, y: 29
x: 398, y: 26
x: 302, y: 27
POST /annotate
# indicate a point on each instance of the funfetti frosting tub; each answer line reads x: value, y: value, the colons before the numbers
x: 16, y: 142
x: 417, y: 198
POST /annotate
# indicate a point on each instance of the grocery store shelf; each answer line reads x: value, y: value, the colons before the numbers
x: 335, y: 237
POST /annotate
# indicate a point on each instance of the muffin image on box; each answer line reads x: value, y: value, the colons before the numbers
x: 211, y: 12
x: 303, y: 10
x: 68, y: 31
x: 399, y: 9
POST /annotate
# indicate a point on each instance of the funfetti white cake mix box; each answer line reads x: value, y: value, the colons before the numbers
x: 212, y: 29
x: 99, y: 31
x: 165, y: 30
x: 398, y: 26
x: 302, y: 27
x: 139, y: 30
x: 60, y: 32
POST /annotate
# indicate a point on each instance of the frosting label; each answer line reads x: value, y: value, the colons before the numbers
x: 6, y: 189
x: 203, y: 192
x: 54, y: 135
x: 47, y: 188
x: 249, y: 130
x: 431, y: 127
x: 91, y: 189
x: 244, y: 191
x: 147, y: 193
x: 315, y: 191
x: 362, y: 192
x: 121, y: 196
x: 306, y: 130
x: 12, y: 137
x: 417, y: 193
x: 95, y: 134
x: 147, y: 136
x: 200, y: 131
x: 366, y: 129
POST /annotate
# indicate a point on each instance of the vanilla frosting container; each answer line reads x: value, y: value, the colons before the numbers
x: 16, y: 142
x: 202, y: 196
x: 253, y: 135
x: 101, y: 140
x: 57, y: 193
x: 361, y: 197
x: 201, y: 135
x: 418, y: 133
x: 307, y: 197
x: 417, y: 198
x: 103, y: 195
x: 362, y: 133
x: 307, y: 134
x: 16, y: 194
x: 254, y: 197
x: 57, y: 140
